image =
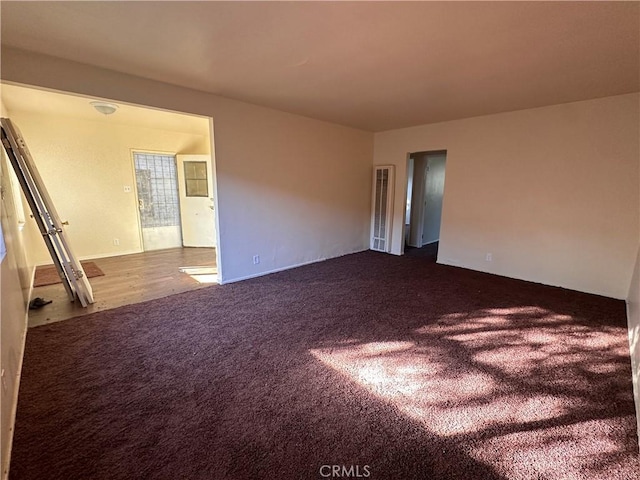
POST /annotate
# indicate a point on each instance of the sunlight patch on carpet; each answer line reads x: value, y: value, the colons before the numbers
x: 490, y: 371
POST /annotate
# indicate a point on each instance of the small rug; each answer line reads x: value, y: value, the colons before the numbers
x: 48, y: 275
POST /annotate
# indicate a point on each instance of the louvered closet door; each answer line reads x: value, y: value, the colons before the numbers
x: 382, y: 208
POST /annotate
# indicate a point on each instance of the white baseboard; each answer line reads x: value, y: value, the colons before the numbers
x: 108, y: 255
x: 289, y: 267
x: 95, y: 257
x: 635, y: 369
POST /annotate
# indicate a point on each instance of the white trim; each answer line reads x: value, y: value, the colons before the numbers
x: 134, y: 189
x: 634, y: 369
x: 174, y: 155
x: 107, y: 255
x: 216, y: 204
x: 281, y: 269
x: 14, y: 405
x: 100, y: 255
x: 32, y: 281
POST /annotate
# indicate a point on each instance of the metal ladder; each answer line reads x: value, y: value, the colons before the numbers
x: 69, y: 268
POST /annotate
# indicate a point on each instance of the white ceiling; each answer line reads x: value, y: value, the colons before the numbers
x: 372, y: 65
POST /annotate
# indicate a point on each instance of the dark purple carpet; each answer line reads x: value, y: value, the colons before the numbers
x: 389, y: 366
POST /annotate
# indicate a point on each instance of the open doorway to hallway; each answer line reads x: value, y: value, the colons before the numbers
x: 124, y: 182
x: 423, y: 206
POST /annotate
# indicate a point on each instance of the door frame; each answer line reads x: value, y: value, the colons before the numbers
x: 429, y: 201
x: 134, y: 187
x: 417, y: 206
x: 216, y: 216
x: 406, y: 230
x: 418, y: 197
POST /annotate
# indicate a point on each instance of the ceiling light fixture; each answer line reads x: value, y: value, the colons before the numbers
x: 104, y: 107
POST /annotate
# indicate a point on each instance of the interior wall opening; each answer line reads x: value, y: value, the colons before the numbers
x: 137, y: 188
x: 423, y: 203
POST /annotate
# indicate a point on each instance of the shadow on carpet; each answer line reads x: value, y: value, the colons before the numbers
x: 411, y: 369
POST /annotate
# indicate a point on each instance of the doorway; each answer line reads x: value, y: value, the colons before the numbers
x: 100, y: 150
x: 158, y: 204
x: 425, y: 192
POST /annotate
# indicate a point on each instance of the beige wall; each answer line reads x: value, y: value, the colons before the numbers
x: 85, y: 166
x: 551, y: 192
x: 15, y: 283
x: 290, y: 189
x: 295, y: 191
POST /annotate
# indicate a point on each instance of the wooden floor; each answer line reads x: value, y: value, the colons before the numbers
x: 129, y: 279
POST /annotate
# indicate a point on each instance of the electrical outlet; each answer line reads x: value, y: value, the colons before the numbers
x: 256, y: 259
x: 116, y: 241
x: 127, y: 189
x: 489, y: 257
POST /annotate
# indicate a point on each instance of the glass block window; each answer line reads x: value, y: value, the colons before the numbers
x: 195, y: 179
x: 157, y: 184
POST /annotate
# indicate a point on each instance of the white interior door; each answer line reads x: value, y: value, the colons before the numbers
x: 157, y: 188
x: 195, y: 184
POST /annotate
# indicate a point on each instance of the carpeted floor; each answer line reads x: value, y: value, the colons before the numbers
x: 392, y: 366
